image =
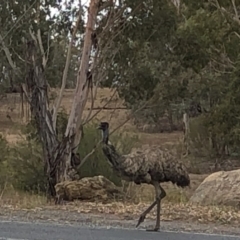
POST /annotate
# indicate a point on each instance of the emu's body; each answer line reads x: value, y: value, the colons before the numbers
x: 152, y: 166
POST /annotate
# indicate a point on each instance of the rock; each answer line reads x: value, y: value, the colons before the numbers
x: 219, y: 188
x: 89, y: 188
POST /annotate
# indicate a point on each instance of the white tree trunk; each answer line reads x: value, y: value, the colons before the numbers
x: 73, y: 130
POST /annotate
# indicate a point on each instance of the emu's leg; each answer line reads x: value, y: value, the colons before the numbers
x: 160, y: 194
x: 144, y: 214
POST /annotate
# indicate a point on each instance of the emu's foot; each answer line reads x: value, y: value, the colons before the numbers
x: 156, y: 229
x: 141, y: 219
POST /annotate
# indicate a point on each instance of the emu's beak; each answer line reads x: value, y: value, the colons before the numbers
x: 99, y: 127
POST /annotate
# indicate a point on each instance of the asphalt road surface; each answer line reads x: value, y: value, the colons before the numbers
x: 32, y: 231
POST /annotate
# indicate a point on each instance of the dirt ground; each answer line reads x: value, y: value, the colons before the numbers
x: 75, y: 216
x: 175, y: 217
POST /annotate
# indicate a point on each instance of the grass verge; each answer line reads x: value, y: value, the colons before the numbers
x: 173, y: 208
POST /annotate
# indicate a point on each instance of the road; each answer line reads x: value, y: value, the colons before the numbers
x: 33, y: 231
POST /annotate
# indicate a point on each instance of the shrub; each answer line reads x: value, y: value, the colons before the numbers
x: 199, y: 137
x: 97, y: 163
x: 25, y: 165
x: 208, y: 149
x: 4, y: 154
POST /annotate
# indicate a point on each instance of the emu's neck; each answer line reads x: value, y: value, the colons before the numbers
x: 110, y: 152
x: 105, y: 135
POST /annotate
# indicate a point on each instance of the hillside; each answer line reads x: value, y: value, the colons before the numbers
x: 14, y: 112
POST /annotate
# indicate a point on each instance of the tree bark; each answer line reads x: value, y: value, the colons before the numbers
x: 39, y: 104
x: 81, y: 92
x: 170, y: 120
x: 61, y: 158
x: 186, y: 132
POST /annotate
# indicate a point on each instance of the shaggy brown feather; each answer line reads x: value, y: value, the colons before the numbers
x: 152, y: 164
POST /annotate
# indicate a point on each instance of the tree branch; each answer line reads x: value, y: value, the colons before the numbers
x: 107, y: 42
x: 99, y: 63
x: 237, y: 19
x: 99, y: 109
x: 105, y: 5
x: 24, y: 88
x: 44, y: 59
x: 223, y: 10
x: 19, y: 19
x: 177, y: 4
x: 39, y: 38
x: 65, y: 72
x: 8, y: 55
x: 98, y: 144
x: 237, y: 34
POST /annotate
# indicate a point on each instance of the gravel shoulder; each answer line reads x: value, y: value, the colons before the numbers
x: 40, y: 215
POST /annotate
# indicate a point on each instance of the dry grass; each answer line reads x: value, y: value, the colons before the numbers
x: 146, y: 193
x: 12, y: 116
x: 135, y: 194
x: 13, y: 113
x: 174, y: 206
x: 124, y: 210
x: 170, y: 211
x: 21, y: 200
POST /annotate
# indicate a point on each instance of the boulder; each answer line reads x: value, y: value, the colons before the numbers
x: 222, y: 188
x: 89, y: 189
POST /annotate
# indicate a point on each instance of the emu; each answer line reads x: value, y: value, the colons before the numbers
x: 151, y: 166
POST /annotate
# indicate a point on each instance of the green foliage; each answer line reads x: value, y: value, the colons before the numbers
x: 62, y: 120
x: 25, y: 163
x: 199, y: 138
x: 168, y: 60
x: 26, y: 167
x: 30, y: 131
x: 16, y: 21
x: 3, y: 148
x: 142, y: 46
x: 22, y: 166
x: 4, y: 155
x: 97, y: 163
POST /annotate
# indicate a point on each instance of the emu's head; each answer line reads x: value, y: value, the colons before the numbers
x: 104, y: 126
